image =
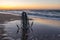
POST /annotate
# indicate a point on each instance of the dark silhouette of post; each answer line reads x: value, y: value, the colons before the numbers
x: 25, y: 28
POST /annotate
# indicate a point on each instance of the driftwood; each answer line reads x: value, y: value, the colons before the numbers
x: 25, y: 23
x: 25, y: 26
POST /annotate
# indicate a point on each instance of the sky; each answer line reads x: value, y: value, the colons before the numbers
x: 29, y: 4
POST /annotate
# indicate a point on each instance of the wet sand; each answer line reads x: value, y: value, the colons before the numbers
x: 41, y: 31
x: 47, y: 21
x: 44, y: 29
x: 8, y: 17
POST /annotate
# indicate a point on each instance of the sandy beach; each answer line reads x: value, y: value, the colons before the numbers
x: 8, y: 17
x: 42, y: 28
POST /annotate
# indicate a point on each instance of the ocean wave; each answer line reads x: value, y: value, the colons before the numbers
x: 45, y: 14
x: 51, y: 14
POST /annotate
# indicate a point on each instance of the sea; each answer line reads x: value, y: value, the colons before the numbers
x: 46, y: 25
x: 49, y: 14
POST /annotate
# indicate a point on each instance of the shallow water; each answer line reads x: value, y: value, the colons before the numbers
x: 41, y: 31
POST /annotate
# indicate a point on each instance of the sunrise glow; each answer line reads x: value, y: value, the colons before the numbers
x: 29, y: 4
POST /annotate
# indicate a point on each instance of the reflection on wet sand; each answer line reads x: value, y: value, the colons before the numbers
x: 47, y: 21
x: 2, y: 32
x: 41, y: 32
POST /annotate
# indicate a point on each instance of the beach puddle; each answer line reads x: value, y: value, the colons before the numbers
x: 40, y: 31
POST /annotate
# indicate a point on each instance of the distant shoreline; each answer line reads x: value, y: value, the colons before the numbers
x: 8, y: 17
